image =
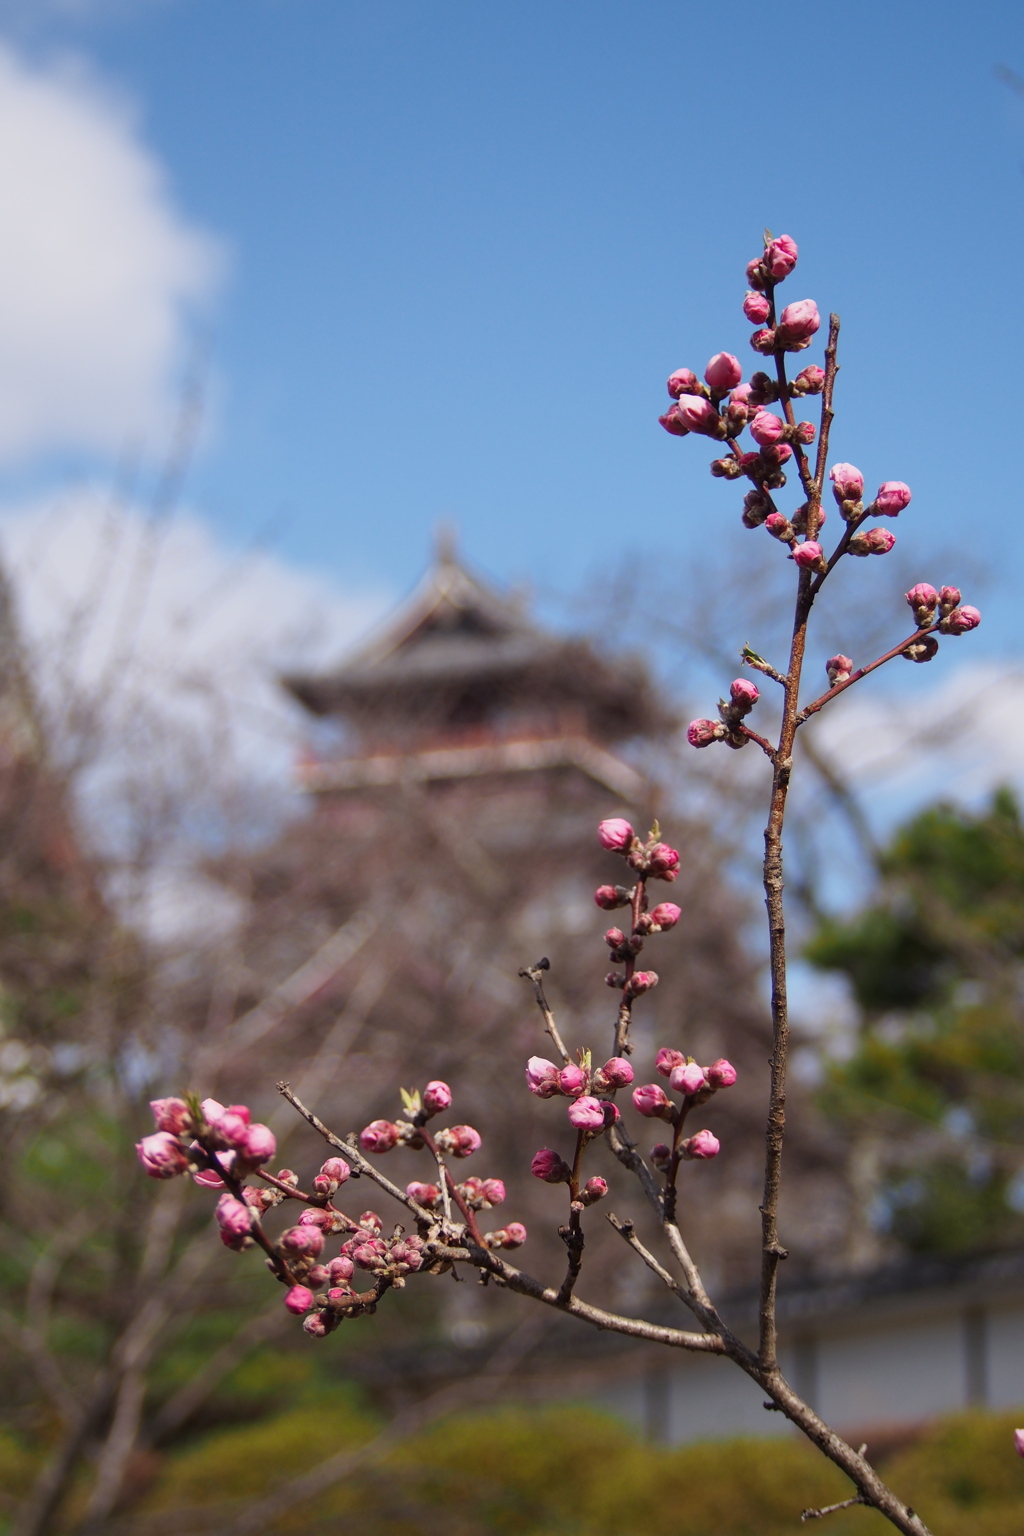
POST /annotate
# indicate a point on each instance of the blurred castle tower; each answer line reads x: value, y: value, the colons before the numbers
x: 464, y: 693
x: 466, y: 755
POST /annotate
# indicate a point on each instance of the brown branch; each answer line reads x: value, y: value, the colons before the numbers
x: 855, y: 677
x: 766, y: 746
x: 525, y: 1285
x: 771, y: 1249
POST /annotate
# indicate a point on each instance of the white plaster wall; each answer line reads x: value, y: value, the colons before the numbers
x: 1005, y: 1356
x: 897, y: 1374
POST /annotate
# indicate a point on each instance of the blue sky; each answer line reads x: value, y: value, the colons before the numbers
x: 465, y: 245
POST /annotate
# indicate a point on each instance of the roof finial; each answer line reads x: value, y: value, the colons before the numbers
x: 446, y: 536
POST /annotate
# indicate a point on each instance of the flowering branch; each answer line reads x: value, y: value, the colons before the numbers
x: 221, y: 1148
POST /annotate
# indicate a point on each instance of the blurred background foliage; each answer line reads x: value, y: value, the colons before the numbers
x: 933, y: 1091
x: 567, y: 1471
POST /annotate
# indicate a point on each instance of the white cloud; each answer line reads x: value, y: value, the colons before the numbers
x: 955, y: 740
x: 98, y: 270
x: 157, y: 651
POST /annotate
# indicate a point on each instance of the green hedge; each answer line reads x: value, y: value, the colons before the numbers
x: 568, y: 1471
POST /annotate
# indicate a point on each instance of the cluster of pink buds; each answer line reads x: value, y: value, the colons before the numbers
x: 382, y: 1135
x: 207, y: 1140
x: 696, y: 1085
x: 580, y: 1085
x: 723, y: 406
x: 650, y: 859
x: 743, y: 695
x: 226, y: 1146
x: 940, y: 611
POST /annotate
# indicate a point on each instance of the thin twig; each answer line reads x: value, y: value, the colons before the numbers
x: 830, y: 1509
x: 535, y: 973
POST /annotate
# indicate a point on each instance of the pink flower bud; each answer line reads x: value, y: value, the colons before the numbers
x: 549, y: 1167
x: 608, y: 897
x: 319, y: 1275
x: 595, y: 1189
x: 616, y: 1073
x: 809, y: 381
x: 744, y: 692
x: 572, y: 1080
x: 336, y: 1169
x: 371, y: 1221
x: 379, y: 1136
x: 961, y: 620
x: 426, y: 1195
x: 797, y: 324
x: 665, y: 915
x: 459, y: 1140
x: 682, y: 382
x: 512, y: 1236
x: 312, y: 1216
x: 838, y: 669
x: 673, y: 422
x: 763, y: 341
x: 699, y: 415
x: 688, y: 1079
x: 923, y: 598
x: 721, y: 1073
x: 341, y: 1268
x: 701, y: 733
x: 212, y: 1110
x: 949, y: 598
x: 436, y: 1097
x: 233, y: 1216
x: 370, y: 1253
x: 615, y: 834
x: 174, y: 1115
x: 303, y: 1239
x: 663, y: 861
x: 767, y: 428
x: 872, y: 541
x: 891, y: 498
x: 847, y: 482
x: 614, y: 938
x: 702, y: 1146
x: 668, y: 1060
x: 805, y: 431
x: 780, y: 527
x: 652, y: 1101
x: 542, y: 1077
x: 661, y: 1156
x: 922, y: 650
x: 162, y: 1155
x: 257, y: 1146
x: 299, y: 1299
x: 494, y: 1191
x: 315, y: 1326
x: 723, y: 371
x: 808, y: 555
x: 230, y: 1128
x: 756, y: 274
x: 640, y: 982
x: 587, y: 1113
x: 756, y: 307
x: 611, y: 1112
x: 780, y: 256
x: 1018, y: 1441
